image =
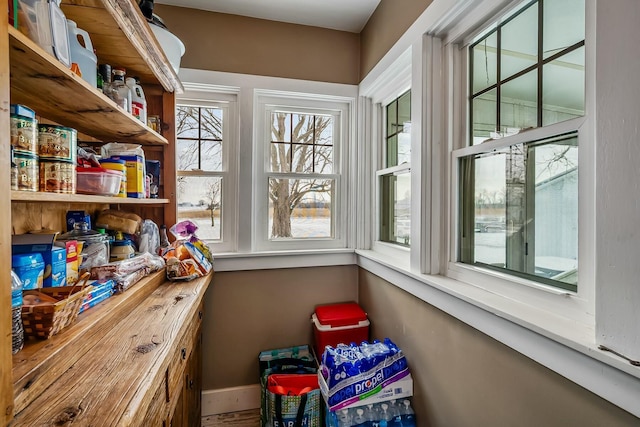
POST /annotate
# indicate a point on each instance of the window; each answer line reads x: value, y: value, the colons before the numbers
x: 518, y: 209
x: 204, y: 186
x: 395, y: 177
x: 301, y: 173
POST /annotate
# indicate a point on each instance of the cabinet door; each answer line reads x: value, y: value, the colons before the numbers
x: 193, y: 386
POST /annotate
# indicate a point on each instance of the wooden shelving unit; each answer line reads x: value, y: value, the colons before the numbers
x: 32, y: 77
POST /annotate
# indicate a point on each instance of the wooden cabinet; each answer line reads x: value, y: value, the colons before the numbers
x: 46, y: 377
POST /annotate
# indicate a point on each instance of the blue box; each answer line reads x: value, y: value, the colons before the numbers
x: 30, y: 269
x: 55, y: 267
x: 77, y: 216
x: 22, y: 110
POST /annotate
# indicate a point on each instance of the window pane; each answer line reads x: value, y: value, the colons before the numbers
x: 302, y: 128
x: 392, y: 151
x: 395, y: 215
x: 518, y: 103
x: 300, y: 208
x: 211, y: 122
x: 563, y: 88
x: 280, y: 160
x: 187, y: 122
x: 563, y: 25
x: 392, y: 118
x: 519, y: 43
x: 187, y: 154
x: 211, y: 155
x: 520, y: 211
x: 404, y: 110
x: 199, y: 199
x: 485, y: 63
x: 324, y: 130
x: 303, y: 160
x: 281, y: 127
x: 323, y: 159
x: 484, y: 116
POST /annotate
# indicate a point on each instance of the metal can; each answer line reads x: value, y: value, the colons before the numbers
x: 57, y: 176
x: 57, y: 143
x: 28, y: 171
x: 24, y: 134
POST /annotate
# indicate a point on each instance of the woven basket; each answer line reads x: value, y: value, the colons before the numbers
x: 42, y: 321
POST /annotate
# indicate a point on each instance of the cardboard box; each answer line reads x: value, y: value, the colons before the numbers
x: 77, y: 216
x: 398, y: 387
x: 54, y: 258
x: 72, y: 260
x: 30, y: 269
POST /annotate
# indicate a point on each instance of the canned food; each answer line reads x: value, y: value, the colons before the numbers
x: 27, y: 165
x: 57, y: 142
x: 57, y: 176
x: 24, y: 134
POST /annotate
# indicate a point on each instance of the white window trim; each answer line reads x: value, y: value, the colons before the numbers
x: 225, y: 98
x: 560, y: 343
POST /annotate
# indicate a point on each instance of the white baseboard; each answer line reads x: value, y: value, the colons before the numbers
x: 232, y: 399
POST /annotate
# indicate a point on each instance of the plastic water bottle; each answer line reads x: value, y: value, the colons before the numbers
x: 408, y: 416
x: 385, y: 416
x: 17, y: 331
x: 344, y: 420
x: 359, y: 420
x: 371, y: 416
x: 396, y: 414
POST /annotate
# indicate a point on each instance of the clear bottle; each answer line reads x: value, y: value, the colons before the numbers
x: 385, y: 416
x: 359, y: 420
x: 371, y: 416
x: 107, y: 85
x: 138, y: 101
x: 122, y: 90
x: 408, y: 415
x: 17, y: 331
x: 344, y: 420
x: 164, y: 240
x: 396, y: 414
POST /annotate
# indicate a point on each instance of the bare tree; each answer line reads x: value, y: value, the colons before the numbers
x: 300, y: 144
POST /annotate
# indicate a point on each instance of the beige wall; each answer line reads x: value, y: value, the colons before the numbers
x: 250, y: 311
x: 386, y: 25
x: 231, y: 43
x: 465, y: 378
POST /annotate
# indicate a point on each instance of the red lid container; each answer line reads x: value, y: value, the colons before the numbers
x: 340, y: 314
x: 339, y: 323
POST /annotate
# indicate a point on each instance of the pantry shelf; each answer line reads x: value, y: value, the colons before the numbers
x: 36, y: 197
x: 38, y: 364
x: 42, y: 83
x: 123, y: 38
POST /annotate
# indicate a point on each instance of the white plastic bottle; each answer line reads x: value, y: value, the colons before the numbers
x: 138, y: 101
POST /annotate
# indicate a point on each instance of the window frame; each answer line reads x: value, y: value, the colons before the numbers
x: 580, y: 305
x: 341, y: 109
x: 201, y: 95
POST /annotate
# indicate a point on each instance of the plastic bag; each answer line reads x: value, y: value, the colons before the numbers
x: 149, y: 240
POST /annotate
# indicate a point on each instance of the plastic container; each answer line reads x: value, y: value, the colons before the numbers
x: 121, y: 167
x: 105, y: 182
x: 138, y: 101
x: 122, y: 249
x: 17, y: 331
x: 81, y: 51
x: 339, y: 323
x: 29, y: 268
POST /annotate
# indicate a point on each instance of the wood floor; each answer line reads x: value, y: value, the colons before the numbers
x: 249, y: 418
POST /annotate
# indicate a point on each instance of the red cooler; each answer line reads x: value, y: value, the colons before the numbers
x: 339, y: 323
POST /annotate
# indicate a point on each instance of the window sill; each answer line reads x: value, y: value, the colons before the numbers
x: 235, y: 261
x: 563, y: 345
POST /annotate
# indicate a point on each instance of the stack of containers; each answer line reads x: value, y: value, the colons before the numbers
x: 24, y: 144
x: 57, y: 149
x: 361, y: 382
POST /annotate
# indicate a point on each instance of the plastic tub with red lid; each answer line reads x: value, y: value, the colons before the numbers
x: 339, y: 323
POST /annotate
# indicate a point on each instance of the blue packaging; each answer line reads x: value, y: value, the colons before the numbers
x: 77, y: 216
x: 22, y: 110
x: 30, y: 269
x: 55, y: 270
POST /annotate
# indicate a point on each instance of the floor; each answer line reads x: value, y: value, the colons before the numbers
x: 249, y: 418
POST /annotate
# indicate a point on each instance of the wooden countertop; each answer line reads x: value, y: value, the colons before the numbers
x: 106, y: 371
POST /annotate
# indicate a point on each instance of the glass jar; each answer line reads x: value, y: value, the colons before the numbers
x: 95, y: 245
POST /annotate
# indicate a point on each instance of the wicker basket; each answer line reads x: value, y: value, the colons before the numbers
x: 45, y: 320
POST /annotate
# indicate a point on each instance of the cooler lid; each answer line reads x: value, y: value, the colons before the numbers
x: 343, y: 314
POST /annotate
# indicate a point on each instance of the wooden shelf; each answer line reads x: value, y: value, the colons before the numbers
x: 37, y: 197
x: 41, y: 82
x: 39, y: 363
x: 122, y: 37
